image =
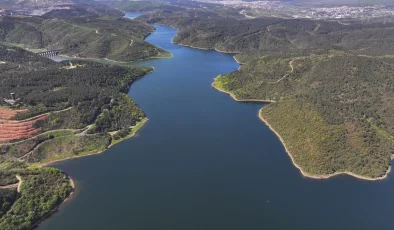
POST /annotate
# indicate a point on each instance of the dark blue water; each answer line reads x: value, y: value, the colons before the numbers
x: 206, y: 162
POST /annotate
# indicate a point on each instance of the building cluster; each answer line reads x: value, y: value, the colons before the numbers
x: 41, y: 3
x: 34, y: 7
x: 350, y: 12
x: 4, y: 12
x: 275, y: 8
x: 12, y: 100
x: 240, y: 3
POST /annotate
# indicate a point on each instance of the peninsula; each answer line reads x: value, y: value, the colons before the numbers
x: 331, y: 86
x: 51, y: 111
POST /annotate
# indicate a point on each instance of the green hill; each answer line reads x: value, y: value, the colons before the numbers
x: 332, y: 84
x: 112, y: 38
x: 209, y: 30
x: 86, y: 109
x: 333, y: 112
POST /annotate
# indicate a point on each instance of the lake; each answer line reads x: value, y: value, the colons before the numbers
x: 206, y: 162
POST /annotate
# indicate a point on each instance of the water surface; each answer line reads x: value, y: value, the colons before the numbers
x: 206, y: 162
x: 133, y: 15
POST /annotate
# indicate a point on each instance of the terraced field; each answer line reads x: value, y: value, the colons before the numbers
x: 14, y: 129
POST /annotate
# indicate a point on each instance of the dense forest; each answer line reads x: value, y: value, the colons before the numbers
x: 42, y: 190
x: 65, y: 109
x: 174, y: 6
x: 72, y: 95
x: 81, y: 32
x: 144, y: 6
x: 210, y: 30
x: 332, y: 111
x: 332, y: 83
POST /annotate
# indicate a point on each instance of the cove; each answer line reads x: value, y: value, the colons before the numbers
x: 205, y: 161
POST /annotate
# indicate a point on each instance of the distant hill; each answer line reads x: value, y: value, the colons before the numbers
x: 41, y: 3
x: 87, y: 37
x: 341, y: 2
x: 140, y: 6
x: 84, y: 10
x: 210, y: 30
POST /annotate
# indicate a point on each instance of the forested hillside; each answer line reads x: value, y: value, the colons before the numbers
x: 81, y: 33
x: 141, y: 6
x: 84, y: 9
x: 332, y: 84
x: 333, y: 112
x: 206, y: 29
x: 70, y: 95
x: 63, y: 110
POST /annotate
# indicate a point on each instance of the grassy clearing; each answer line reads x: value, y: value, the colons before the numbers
x: 221, y: 81
x: 68, y: 147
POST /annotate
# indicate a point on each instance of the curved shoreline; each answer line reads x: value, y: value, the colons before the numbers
x: 206, y: 49
x: 72, y: 183
x: 49, y: 163
x: 226, y: 52
x: 313, y: 176
x: 238, y: 100
x: 303, y: 173
x: 132, y: 134
x: 180, y: 44
x: 200, y: 48
x: 45, y: 164
x: 114, y: 62
x: 240, y: 63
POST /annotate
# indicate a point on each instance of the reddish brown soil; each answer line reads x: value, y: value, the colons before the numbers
x: 11, y: 129
x: 7, y: 114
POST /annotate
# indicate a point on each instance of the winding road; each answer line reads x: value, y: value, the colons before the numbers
x: 285, y: 76
x: 17, y: 185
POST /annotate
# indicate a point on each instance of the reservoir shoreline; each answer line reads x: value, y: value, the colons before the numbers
x: 69, y: 58
x: 135, y: 132
x: 305, y: 174
x: 202, y: 150
x: 318, y: 177
x: 47, y: 216
x: 72, y: 183
x: 195, y: 47
x: 240, y: 100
